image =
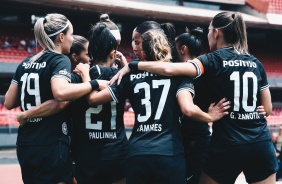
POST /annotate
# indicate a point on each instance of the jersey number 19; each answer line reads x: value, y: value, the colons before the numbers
x: 28, y: 80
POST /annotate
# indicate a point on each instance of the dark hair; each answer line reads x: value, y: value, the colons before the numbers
x: 233, y: 28
x: 167, y: 28
x: 147, y: 25
x: 77, y: 45
x: 101, y: 43
x: 192, y: 39
x: 170, y: 32
x: 104, y: 18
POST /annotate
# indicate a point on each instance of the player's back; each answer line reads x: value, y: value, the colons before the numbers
x: 153, y: 98
x: 34, y: 83
x: 239, y: 78
x: 98, y: 131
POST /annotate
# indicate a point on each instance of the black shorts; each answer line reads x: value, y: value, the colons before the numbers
x: 155, y: 169
x: 100, y: 171
x: 45, y: 164
x: 195, y: 152
x: 256, y: 160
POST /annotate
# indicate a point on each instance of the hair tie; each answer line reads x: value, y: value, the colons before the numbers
x: 116, y: 34
x: 224, y: 26
x: 233, y: 15
x: 53, y: 34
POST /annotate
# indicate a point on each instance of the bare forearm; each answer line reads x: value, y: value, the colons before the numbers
x: 12, y: 97
x: 197, y: 114
x: 47, y: 108
x: 99, y: 97
x: 266, y: 101
x: 64, y: 91
x: 169, y: 69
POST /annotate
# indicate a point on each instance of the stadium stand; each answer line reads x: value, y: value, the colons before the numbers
x: 8, y: 117
x: 275, y: 6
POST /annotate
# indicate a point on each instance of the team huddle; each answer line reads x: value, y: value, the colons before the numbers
x: 72, y: 96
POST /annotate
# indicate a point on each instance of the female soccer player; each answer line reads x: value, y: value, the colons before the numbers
x: 240, y: 142
x: 155, y: 150
x: 39, y: 78
x: 78, y: 54
x: 99, y: 139
x: 196, y: 135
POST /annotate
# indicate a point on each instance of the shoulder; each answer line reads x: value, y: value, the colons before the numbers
x: 108, y: 72
x: 54, y: 58
x: 94, y: 72
x: 102, y: 72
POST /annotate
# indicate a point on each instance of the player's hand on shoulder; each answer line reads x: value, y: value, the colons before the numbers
x: 219, y: 110
x: 81, y: 69
x: 125, y: 70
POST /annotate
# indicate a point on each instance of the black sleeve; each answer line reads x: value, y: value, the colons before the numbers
x: 75, y: 78
x: 61, y: 67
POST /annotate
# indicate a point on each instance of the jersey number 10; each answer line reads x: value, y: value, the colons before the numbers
x: 235, y: 76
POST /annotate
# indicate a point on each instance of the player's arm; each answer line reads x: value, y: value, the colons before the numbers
x: 189, y: 69
x: 64, y: 91
x: 192, y: 111
x: 45, y: 109
x: 168, y: 69
x: 266, y: 101
x: 99, y: 97
x: 12, y: 97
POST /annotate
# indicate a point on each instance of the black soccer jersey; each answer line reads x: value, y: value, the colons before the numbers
x: 192, y: 129
x: 98, y: 131
x: 239, y: 78
x: 34, y: 83
x: 153, y: 98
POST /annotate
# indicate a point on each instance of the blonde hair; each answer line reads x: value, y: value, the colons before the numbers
x: 49, y: 25
x: 156, y: 46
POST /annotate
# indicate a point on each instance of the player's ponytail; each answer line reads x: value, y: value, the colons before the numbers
x: 233, y: 28
x: 101, y: 43
x: 192, y: 40
x: 46, y: 29
x: 156, y: 46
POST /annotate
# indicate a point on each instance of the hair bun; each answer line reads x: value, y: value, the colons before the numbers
x: 197, y: 32
x: 104, y: 18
